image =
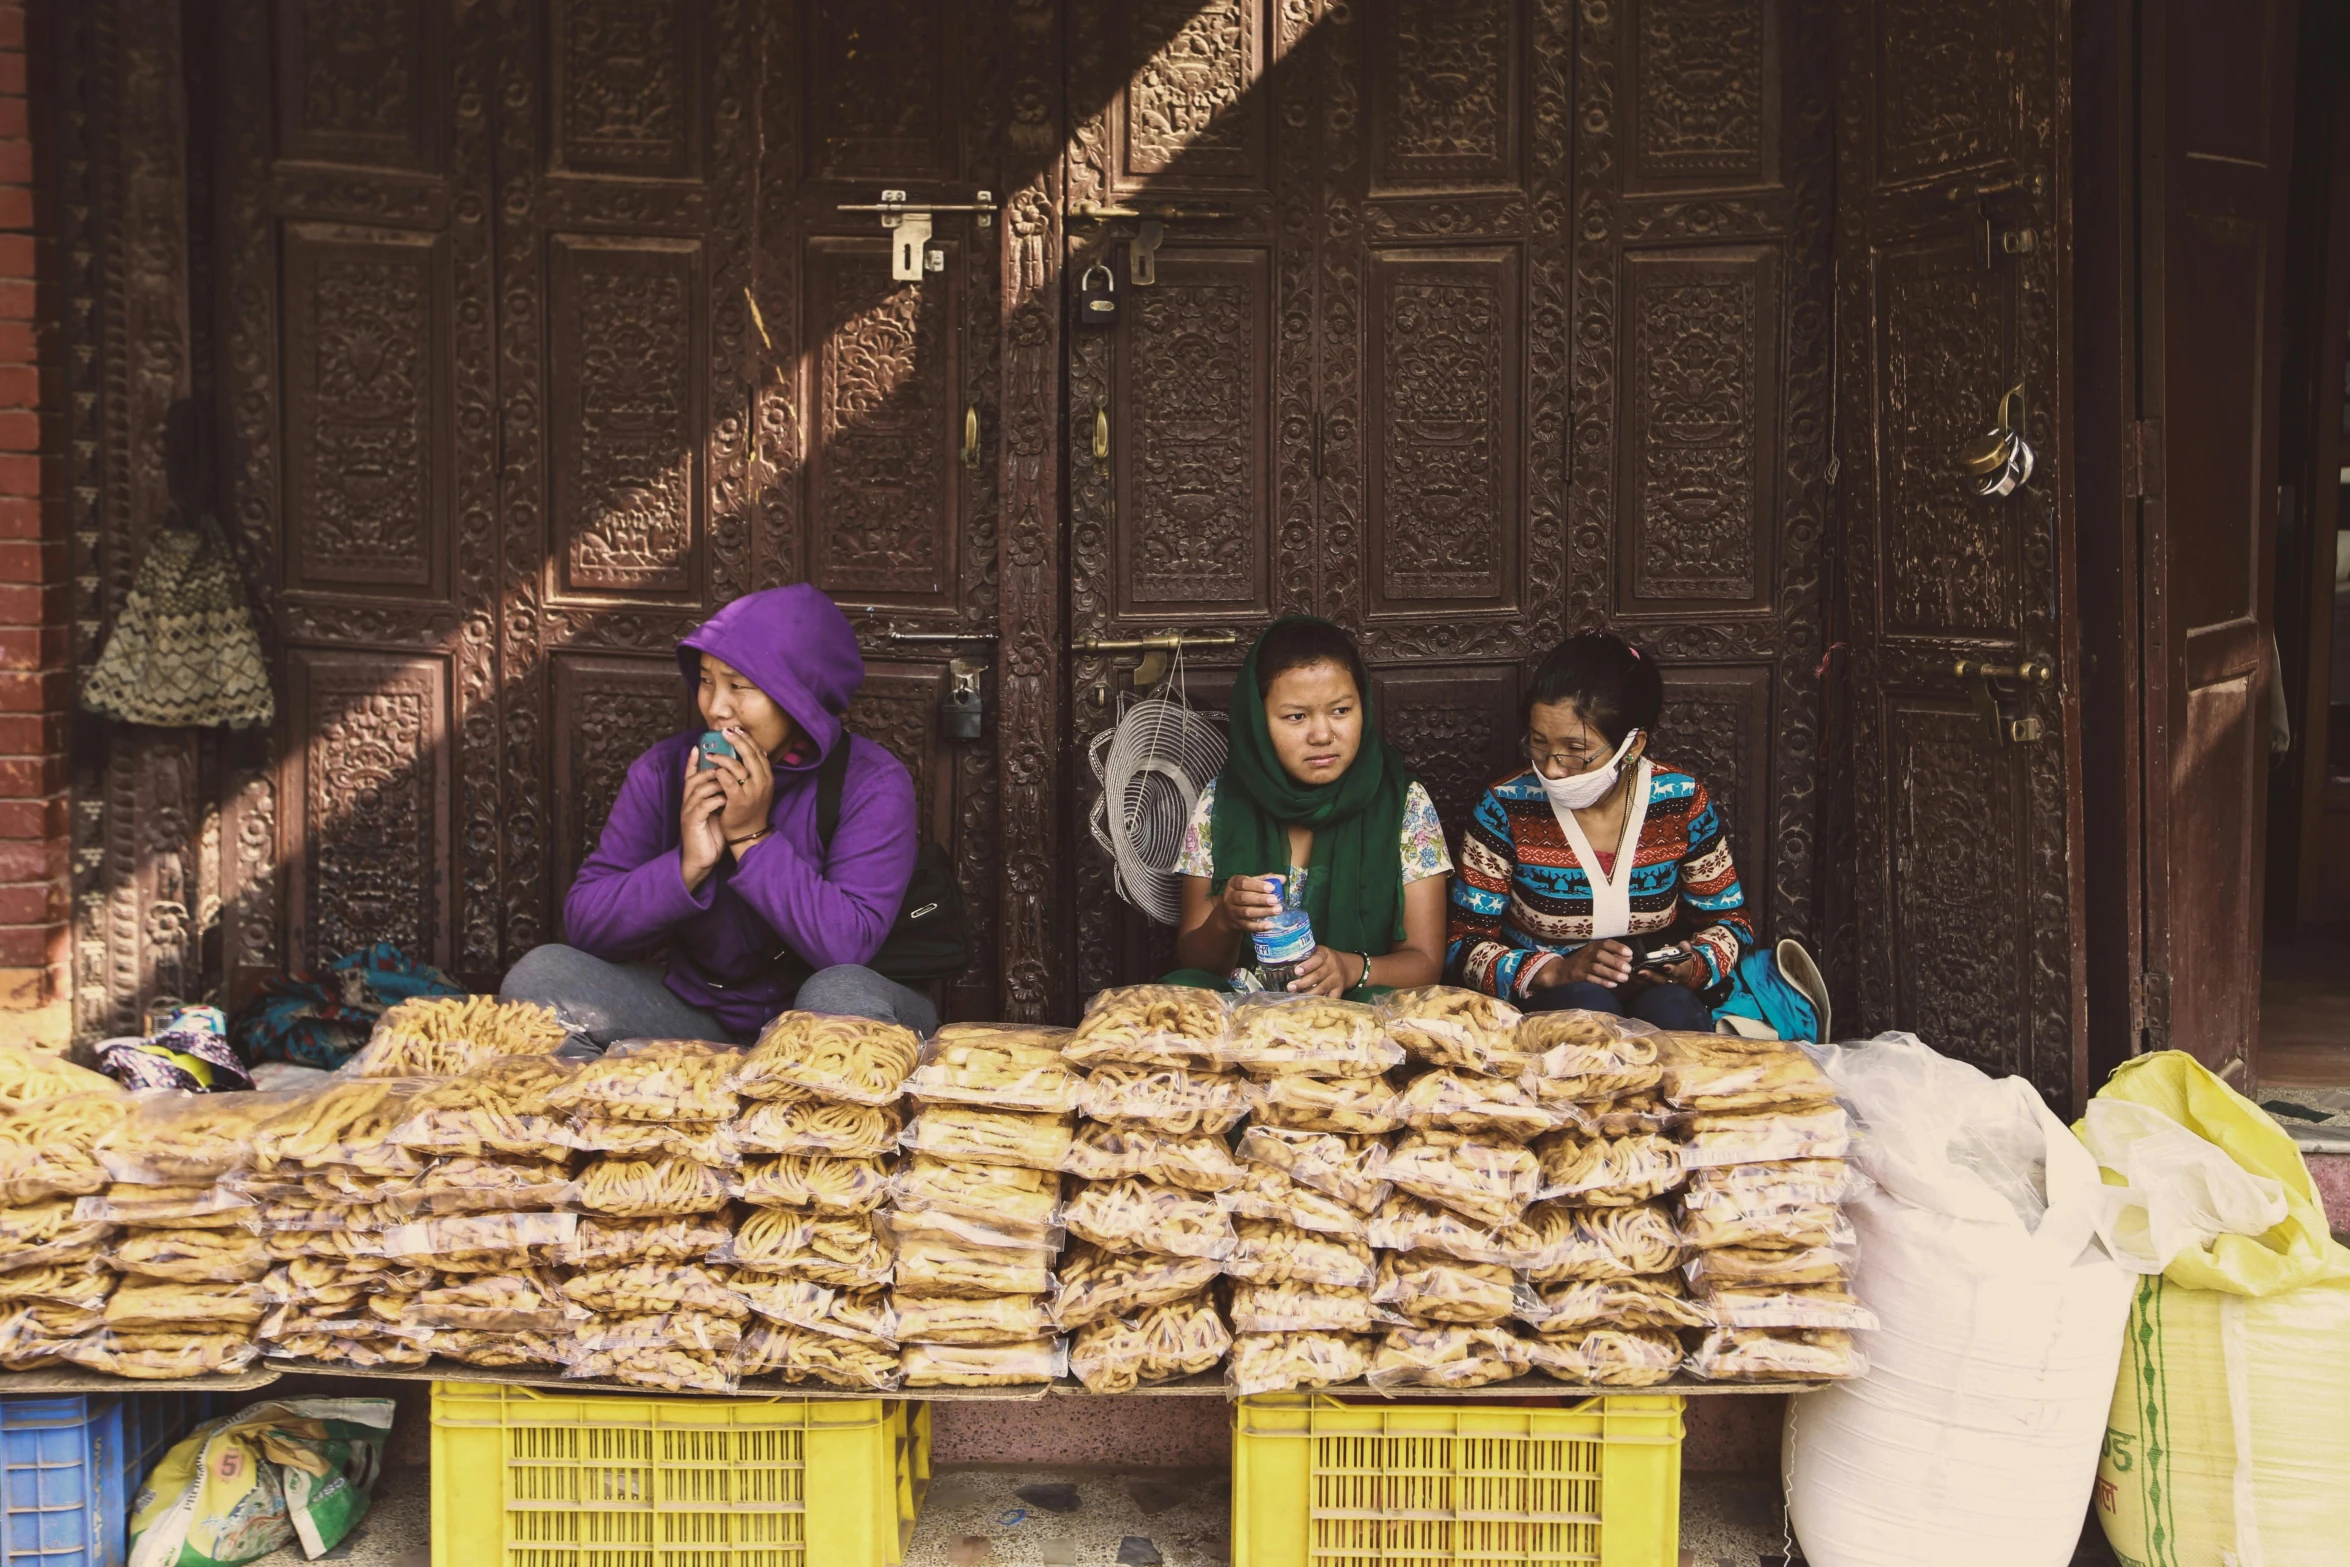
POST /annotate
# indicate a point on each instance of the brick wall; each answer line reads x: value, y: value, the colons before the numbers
x: 34, y: 674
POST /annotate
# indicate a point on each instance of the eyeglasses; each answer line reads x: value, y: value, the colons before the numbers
x: 1572, y: 761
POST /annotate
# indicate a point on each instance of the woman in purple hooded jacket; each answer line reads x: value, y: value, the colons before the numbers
x: 722, y: 865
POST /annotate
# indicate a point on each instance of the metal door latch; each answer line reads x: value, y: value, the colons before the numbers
x: 2002, y: 693
x: 911, y: 253
x: 962, y: 712
x: 1142, y: 253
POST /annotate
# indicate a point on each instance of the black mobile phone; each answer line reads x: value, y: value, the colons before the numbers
x: 1662, y: 957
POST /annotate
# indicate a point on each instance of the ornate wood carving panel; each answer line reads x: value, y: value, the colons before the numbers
x: 353, y: 84
x: 1701, y: 428
x: 1190, y: 439
x: 1946, y: 87
x: 1446, y: 101
x: 1717, y: 725
x: 367, y: 361
x: 626, y: 88
x: 607, y: 711
x: 882, y: 88
x: 1189, y: 117
x: 883, y: 479
x: 897, y: 707
x: 369, y: 796
x: 627, y: 353
x: 1442, y: 363
x: 1704, y: 79
x: 1457, y: 727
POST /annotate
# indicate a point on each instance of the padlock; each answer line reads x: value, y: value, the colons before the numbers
x: 961, y: 713
x: 1097, y: 307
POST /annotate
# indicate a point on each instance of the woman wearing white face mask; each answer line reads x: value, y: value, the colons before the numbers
x: 1596, y: 854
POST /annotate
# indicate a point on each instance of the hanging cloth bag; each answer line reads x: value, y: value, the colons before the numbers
x: 184, y: 651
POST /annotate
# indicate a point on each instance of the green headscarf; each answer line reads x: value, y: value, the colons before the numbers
x: 1355, y: 890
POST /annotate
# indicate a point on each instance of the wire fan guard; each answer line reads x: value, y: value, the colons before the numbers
x: 1152, y: 764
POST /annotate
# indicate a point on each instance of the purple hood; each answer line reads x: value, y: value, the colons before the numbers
x: 796, y: 646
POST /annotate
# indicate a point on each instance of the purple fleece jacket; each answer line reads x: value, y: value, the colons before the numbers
x: 726, y: 936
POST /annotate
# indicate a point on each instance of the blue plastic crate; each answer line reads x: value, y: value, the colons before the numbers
x: 74, y: 1463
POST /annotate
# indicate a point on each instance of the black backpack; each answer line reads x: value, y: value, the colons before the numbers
x: 932, y: 938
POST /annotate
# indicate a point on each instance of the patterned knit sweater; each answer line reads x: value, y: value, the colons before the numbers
x: 1522, y: 890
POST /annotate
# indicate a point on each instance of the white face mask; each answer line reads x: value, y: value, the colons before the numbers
x: 1581, y: 791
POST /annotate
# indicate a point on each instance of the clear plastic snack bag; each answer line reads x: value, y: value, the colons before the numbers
x: 1491, y: 1182
x: 1472, y: 1105
x: 1273, y: 1033
x: 445, y: 1036
x: 1166, y: 1099
x: 984, y: 1365
x: 176, y: 1139
x: 523, y: 1302
x: 802, y: 1181
x: 1655, y: 1300
x: 963, y: 1134
x: 1577, y: 1056
x: 853, y: 1059
x: 938, y: 1262
x: 1710, y: 1219
x: 1718, y: 1073
x: 1106, y: 1151
x: 1765, y: 1136
x: 49, y: 1147
x: 1287, y: 1362
x: 1094, y: 1284
x: 1603, y: 1243
x: 1001, y: 1066
x: 1608, y: 1356
x: 499, y: 1108
x: 1777, y: 1355
x: 1137, y: 1215
x: 1266, y: 1193
x: 665, y: 1080
x: 1280, y: 1253
x: 1011, y: 1199
x: 1408, y: 1223
x: 191, y: 1256
x: 697, y: 1142
x: 623, y: 1188
x: 600, y: 1242
x: 1444, y: 1025
x: 1160, y: 1343
x: 651, y: 1289
x: 970, y: 1319
x: 1260, y: 1307
x: 463, y: 1183
x: 1608, y: 1172
x: 795, y: 1122
x: 1429, y: 1287
x: 677, y: 1353
x: 1790, y: 1306
x: 795, y: 1354
x: 493, y: 1351
x: 1151, y: 1025
x: 1350, y: 1106
x: 866, y: 1315
x: 1741, y: 1266
x: 1452, y: 1356
x: 1351, y: 1169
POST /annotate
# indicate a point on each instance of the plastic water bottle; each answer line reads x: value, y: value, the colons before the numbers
x: 1289, y: 939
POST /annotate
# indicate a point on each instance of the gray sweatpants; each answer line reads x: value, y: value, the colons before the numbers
x: 609, y: 1001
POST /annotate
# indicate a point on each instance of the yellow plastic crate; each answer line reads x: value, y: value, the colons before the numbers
x: 523, y: 1477
x: 1321, y: 1483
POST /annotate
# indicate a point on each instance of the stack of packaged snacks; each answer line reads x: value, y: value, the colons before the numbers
x: 1606, y: 1300
x: 1770, y: 1250
x: 1320, y: 1105
x: 1154, y: 1176
x: 186, y: 1248
x: 811, y: 1257
x: 53, y: 1287
x: 444, y: 1036
x: 653, y: 1117
x: 976, y: 1202
x: 1452, y: 1235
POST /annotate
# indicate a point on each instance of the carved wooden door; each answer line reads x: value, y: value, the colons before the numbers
x: 544, y: 337
x: 2216, y: 129
x: 1398, y: 370
x: 1961, y: 920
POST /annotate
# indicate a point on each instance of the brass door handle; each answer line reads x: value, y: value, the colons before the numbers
x: 971, y: 437
x: 1158, y: 650
x: 1101, y: 435
x: 2002, y: 697
x: 2037, y: 670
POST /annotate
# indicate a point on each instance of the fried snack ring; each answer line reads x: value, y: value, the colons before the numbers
x: 829, y: 1248
x: 175, y: 1139
x: 1723, y: 1072
x: 1095, y: 1283
x: 192, y: 1256
x: 1710, y: 1139
x: 337, y: 1245
x: 445, y: 1036
x: 59, y: 1319
x: 1604, y: 1243
x: 1779, y: 1184
x: 502, y: 1106
x: 138, y: 1303
x: 681, y: 1238
x: 1151, y: 1025
x: 855, y: 1059
x: 497, y: 1351
x: 1454, y: 1355
x: 1777, y: 1355
x: 652, y: 1289
x: 1490, y: 1182
x: 1259, y: 1307
x: 61, y: 1254
x: 1274, y: 1032
x: 964, y: 1135
x: 647, y: 1188
x: 1587, y: 1056
x: 1408, y: 1223
x: 158, y: 1357
x: 1350, y: 1169
x: 969, y: 1319
x: 983, y: 1365
x: 799, y: 1181
x: 1608, y: 1172
x: 1280, y: 1253
x: 1652, y: 1301
x: 1350, y: 1106
x: 466, y: 1184
x: 1464, y: 1102
x: 473, y: 1242
x: 47, y: 1222
x: 1003, y: 1066
x: 1630, y: 1116
x: 654, y: 1365
x: 348, y: 1123
x: 1013, y: 1198
x: 1167, y: 1099
x: 1710, y: 1219
x: 802, y: 1123
x: 931, y: 1263
x: 1179, y: 1339
x: 795, y: 1354
x: 1137, y: 1215
x: 699, y: 1142
x: 1265, y: 1193
x: 27, y: 1345
x: 1431, y: 1287
x: 1609, y: 1356
x: 49, y: 1147
x: 694, y: 1332
x: 665, y: 1080
x: 1444, y: 1025
x: 65, y: 1284
x: 1791, y: 1306
x: 1105, y: 1151
x: 29, y: 1076
x: 1284, y: 1362
x: 864, y: 1314
x: 312, y: 1281
x: 1743, y: 1266
x: 769, y: 1237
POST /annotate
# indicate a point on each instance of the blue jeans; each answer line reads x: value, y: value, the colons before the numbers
x: 611, y: 1001
x: 1667, y: 1006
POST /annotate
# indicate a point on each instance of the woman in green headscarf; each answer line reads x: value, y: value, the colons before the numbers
x: 1312, y: 793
